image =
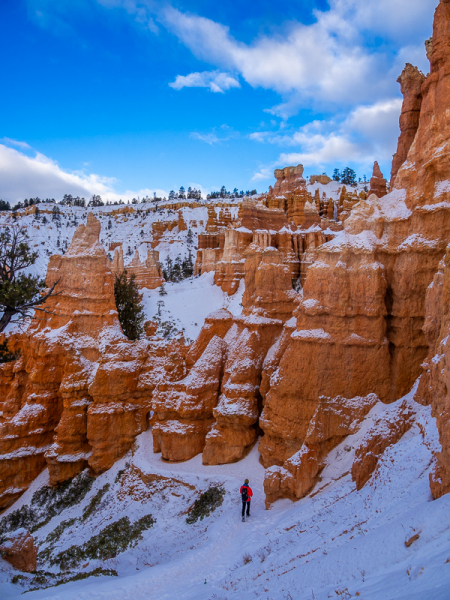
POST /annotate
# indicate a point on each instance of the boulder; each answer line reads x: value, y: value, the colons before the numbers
x: 20, y: 551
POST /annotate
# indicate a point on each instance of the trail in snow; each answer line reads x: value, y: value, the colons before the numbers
x: 336, y: 543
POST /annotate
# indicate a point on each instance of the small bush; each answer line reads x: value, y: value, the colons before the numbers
x: 206, y: 504
x: 48, y: 502
x: 95, y: 502
x: 54, y: 535
x: 110, y: 542
x: 119, y: 475
x: 41, y: 580
x: 247, y: 558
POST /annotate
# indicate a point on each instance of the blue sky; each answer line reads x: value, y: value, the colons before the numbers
x: 127, y: 97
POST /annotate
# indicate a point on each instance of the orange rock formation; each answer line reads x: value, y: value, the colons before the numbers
x: 20, y: 551
x: 80, y: 392
x: 377, y: 182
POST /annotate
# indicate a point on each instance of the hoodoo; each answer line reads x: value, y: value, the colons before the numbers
x: 343, y: 308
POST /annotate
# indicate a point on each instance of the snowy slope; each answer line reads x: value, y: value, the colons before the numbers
x: 336, y: 543
x: 188, y: 303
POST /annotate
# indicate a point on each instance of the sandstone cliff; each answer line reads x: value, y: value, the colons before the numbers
x: 80, y: 392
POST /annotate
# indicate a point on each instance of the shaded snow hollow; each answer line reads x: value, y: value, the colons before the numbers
x: 189, y: 302
x: 336, y: 543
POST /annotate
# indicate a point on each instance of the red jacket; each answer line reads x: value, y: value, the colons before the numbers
x: 249, y: 491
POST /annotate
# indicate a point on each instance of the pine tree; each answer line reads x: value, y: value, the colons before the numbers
x: 336, y: 175
x: 6, y: 355
x: 20, y: 294
x: 348, y: 176
x: 168, y: 269
x: 190, y: 237
x: 177, y: 272
x: 129, y: 305
x: 188, y: 266
x: 56, y: 213
x: 162, y: 290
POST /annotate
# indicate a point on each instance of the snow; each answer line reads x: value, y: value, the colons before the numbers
x: 393, y: 206
x: 133, y: 229
x: 189, y: 302
x: 335, y: 543
x: 441, y: 187
x: 311, y: 334
x: 444, y: 205
x: 418, y: 242
x: 365, y: 241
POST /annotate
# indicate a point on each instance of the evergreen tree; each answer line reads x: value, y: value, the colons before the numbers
x: 190, y: 237
x: 129, y: 305
x: 96, y: 201
x: 4, y: 205
x: 67, y: 200
x: 56, y: 213
x: 188, y: 266
x: 6, y: 355
x: 44, y: 220
x: 348, y: 176
x: 20, y: 294
x: 336, y: 175
x: 177, y: 271
x: 162, y: 290
x: 109, y: 224
x: 168, y: 269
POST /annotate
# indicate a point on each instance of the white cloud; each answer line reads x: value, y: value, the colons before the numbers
x: 368, y: 133
x: 214, y: 80
x: 329, y: 61
x: 345, y: 57
x: 23, y: 176
x: 208, y: 138
x: 263, y: 174
x: 225, y: 132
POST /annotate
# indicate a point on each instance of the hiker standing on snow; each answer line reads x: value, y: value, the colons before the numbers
x: 246, y: 495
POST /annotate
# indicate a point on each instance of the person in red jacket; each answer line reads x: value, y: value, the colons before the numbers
x: 246, y: 495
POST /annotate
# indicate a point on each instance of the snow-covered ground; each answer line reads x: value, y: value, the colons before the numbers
x: 336, y: 543
x: 189, y: 302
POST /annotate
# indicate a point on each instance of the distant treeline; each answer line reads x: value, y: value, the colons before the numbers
x: 69, y: 200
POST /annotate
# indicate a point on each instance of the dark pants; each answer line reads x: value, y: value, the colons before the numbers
x: 248, y: 508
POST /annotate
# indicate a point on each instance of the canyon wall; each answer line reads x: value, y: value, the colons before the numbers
x: 80, y: 391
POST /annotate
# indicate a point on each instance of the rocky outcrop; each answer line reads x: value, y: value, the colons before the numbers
x: 435, y: 381
x: 148, y: 273
x: 288, y: 180
x: 359, y: 324
x: 184, y: 409
x: 410, y: 81
x: 323, y: 179
x: 80, y: 392
x: 387, y: 430
x: 332, y: 421
x: 377, y: 182
x: 20, y: 551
